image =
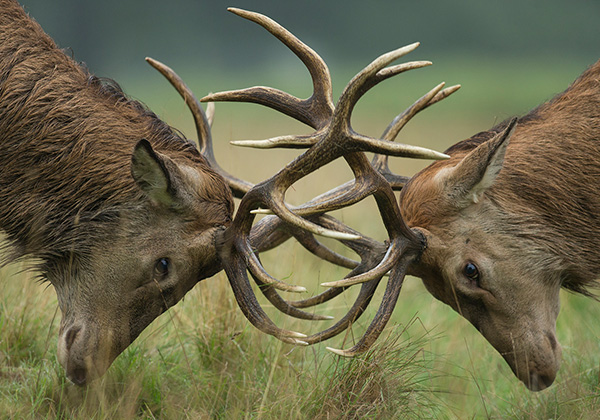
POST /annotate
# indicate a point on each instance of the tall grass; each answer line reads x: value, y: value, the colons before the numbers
x: 202, y: 359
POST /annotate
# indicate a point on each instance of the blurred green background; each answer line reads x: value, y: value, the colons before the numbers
x: 113, y: 35
x: 509, y: 56
x: 200, y: 39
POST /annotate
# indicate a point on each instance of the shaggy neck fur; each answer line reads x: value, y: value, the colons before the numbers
x: 66, y: 139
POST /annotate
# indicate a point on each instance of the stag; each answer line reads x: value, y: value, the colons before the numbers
x: 118, y: 210
x: 494, y: 231
x: 123, y: 216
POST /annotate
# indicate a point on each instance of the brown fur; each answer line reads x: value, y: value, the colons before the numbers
x: 66, y: 139
x: 68, y: 198
x: 533, y: 227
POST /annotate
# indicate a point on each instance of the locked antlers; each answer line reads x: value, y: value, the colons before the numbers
x: 333, y: 138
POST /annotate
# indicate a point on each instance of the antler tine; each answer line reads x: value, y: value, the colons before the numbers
x: 310, y: 243
x: 400, y: 121
x: 442, y: 95
x: 283, y: 142
x: 238, y: 186
x: 314, y: 111
x: 279, y: 303
x: 366, y: 293
x: 258, y: 272
x: 370, y: 76
x: 336, y: 198
x: 283, y: 306
x: 380, y: 161
x: 204, y: 141
x: 383, y: 314
x: 210, y: 113
x: 270, y: 232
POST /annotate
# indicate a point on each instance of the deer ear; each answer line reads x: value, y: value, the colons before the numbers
x: 153, y: 174
x: 468, y: 180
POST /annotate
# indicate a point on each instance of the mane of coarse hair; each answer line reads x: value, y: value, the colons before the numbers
x: 111, y: 90
x: 66, y: 139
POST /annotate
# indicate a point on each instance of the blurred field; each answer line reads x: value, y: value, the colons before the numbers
x: 202, y: 359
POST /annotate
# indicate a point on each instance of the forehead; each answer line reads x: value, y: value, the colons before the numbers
x: 209, y: 195
x: 422, y: 199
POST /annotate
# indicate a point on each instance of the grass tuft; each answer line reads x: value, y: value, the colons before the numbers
x: 391, y: 380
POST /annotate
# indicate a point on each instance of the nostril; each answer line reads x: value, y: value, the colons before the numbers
x: 70, y: 336
x: 539, y: 382
x: 552, y: 340
x: 78, y: 376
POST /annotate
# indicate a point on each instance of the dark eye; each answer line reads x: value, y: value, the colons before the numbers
x: 471, y: 272
x: 161, y: 268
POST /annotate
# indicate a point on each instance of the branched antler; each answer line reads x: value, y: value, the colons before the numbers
x: 203, y: 122
x: 333, y: 138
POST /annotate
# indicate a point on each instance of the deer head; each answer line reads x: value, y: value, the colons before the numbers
x: 474, y: 263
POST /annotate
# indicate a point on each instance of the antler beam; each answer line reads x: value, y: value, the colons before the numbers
x: 333, y: 138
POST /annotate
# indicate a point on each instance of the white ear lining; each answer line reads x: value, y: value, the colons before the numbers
x: 151, y: 174
x: 466, y: 182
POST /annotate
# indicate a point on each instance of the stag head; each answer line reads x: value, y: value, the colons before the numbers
x: 108, y: 298
x: 473, y: 262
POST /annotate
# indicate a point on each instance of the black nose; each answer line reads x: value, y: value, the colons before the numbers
x: 539, y: 382
x: 78, y: 376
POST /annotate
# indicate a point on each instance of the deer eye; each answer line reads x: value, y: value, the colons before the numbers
x: 161, y: 268
x: 471, y: 272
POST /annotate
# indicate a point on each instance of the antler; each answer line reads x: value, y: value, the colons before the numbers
x: 333, y: 138
x: 203, y: 123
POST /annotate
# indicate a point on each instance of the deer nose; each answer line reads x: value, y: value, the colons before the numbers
x: 538, y: 382
x: 73, y: 363
x: 543, y: 376
x: 77, y: 375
